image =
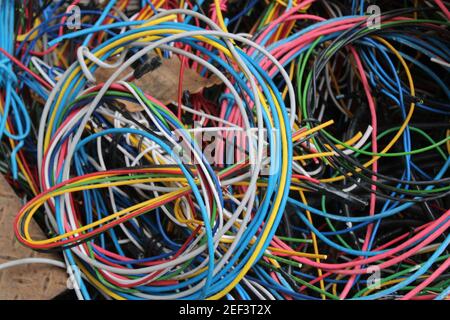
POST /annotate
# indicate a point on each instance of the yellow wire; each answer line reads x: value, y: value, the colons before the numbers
x: 315, y: 245
x: 312, y: 130
x: 291, y: 76
x: 313, y: 155
x: 118, y: 214
x: 220, y: 16
x: 34, y: 34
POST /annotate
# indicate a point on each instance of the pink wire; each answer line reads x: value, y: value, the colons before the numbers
x: 339, y: 267
x: 373, y: 198
x: 444, y: 9
x: 443, y: 267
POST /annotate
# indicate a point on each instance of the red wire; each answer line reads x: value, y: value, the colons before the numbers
x: 20, y: 64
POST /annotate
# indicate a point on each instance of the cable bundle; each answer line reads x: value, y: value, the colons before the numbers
x: 316, y: 166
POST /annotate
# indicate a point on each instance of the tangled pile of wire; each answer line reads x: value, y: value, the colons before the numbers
x: 315, y: 166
